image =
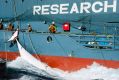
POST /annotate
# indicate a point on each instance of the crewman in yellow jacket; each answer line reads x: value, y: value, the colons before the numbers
x: 52, y: 28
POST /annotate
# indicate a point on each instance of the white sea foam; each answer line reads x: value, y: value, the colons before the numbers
x: 26, y: 77
x: 92, y: 72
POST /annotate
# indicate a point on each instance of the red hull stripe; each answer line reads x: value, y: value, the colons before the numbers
x: 65, y: 63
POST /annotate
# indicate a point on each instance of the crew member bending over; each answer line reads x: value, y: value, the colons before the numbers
x: 10, y: 27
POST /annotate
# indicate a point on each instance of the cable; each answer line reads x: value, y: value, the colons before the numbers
x: 24, y: 40
x: 5, y: 45
x: 32, y: 46
x: 59, y: 44
x: 14, y: 8
x: 72, y: 41
x: 103, y: 57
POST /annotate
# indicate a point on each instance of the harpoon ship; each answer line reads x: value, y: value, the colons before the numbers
x: 82, y: 37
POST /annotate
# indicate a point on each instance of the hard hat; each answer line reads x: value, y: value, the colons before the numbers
x: 10, y: 23
x: 79, y: 27
x: 28, y: 24
x: 1, y: 20
x: 53, y: 22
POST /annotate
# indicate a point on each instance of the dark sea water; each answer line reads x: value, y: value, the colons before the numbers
x: 18, y: 74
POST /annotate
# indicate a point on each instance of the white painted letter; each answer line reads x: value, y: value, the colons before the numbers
x: 113, y: 6
x: 36, y: 10
x: 74, y: 8
x: 94, y: 7
x: 85, y: 7
x: 64, y: 8
x: 45, y: 9
x: 54, y: 9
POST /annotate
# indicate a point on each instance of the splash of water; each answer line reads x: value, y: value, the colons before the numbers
x: 92, y: 72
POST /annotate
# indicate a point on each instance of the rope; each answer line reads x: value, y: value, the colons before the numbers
x: 103, y: 57
x: 5, y: 45
x: 114, y: 40
x: 59, y: 44
x: 32, y: 46
x: 24, y: 40
x: 14, y: 8
x: 72, y: 51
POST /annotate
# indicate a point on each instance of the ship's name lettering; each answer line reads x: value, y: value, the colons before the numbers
x: 84, y: 7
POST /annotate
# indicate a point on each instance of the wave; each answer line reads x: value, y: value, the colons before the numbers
x: 92, y: 72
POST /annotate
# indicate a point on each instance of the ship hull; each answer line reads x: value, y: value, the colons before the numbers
x: 64, y: 63
x: 63, y: 52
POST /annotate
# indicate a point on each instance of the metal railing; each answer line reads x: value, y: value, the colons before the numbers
x: 98, y: 41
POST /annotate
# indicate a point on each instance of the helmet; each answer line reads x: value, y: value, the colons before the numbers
x: 10, y: 23
x: 17, y: 29
x: 28, y: 24
x: 53, y: 22
x: 79, y: 28
x: 1, y: 20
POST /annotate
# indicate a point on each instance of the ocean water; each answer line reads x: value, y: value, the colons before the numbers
x: 19, y: 69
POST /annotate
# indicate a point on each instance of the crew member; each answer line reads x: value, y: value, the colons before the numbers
x: 52, y: 28
x: 29, y: 28
x: 10, y: 27
x: 1, y: 25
